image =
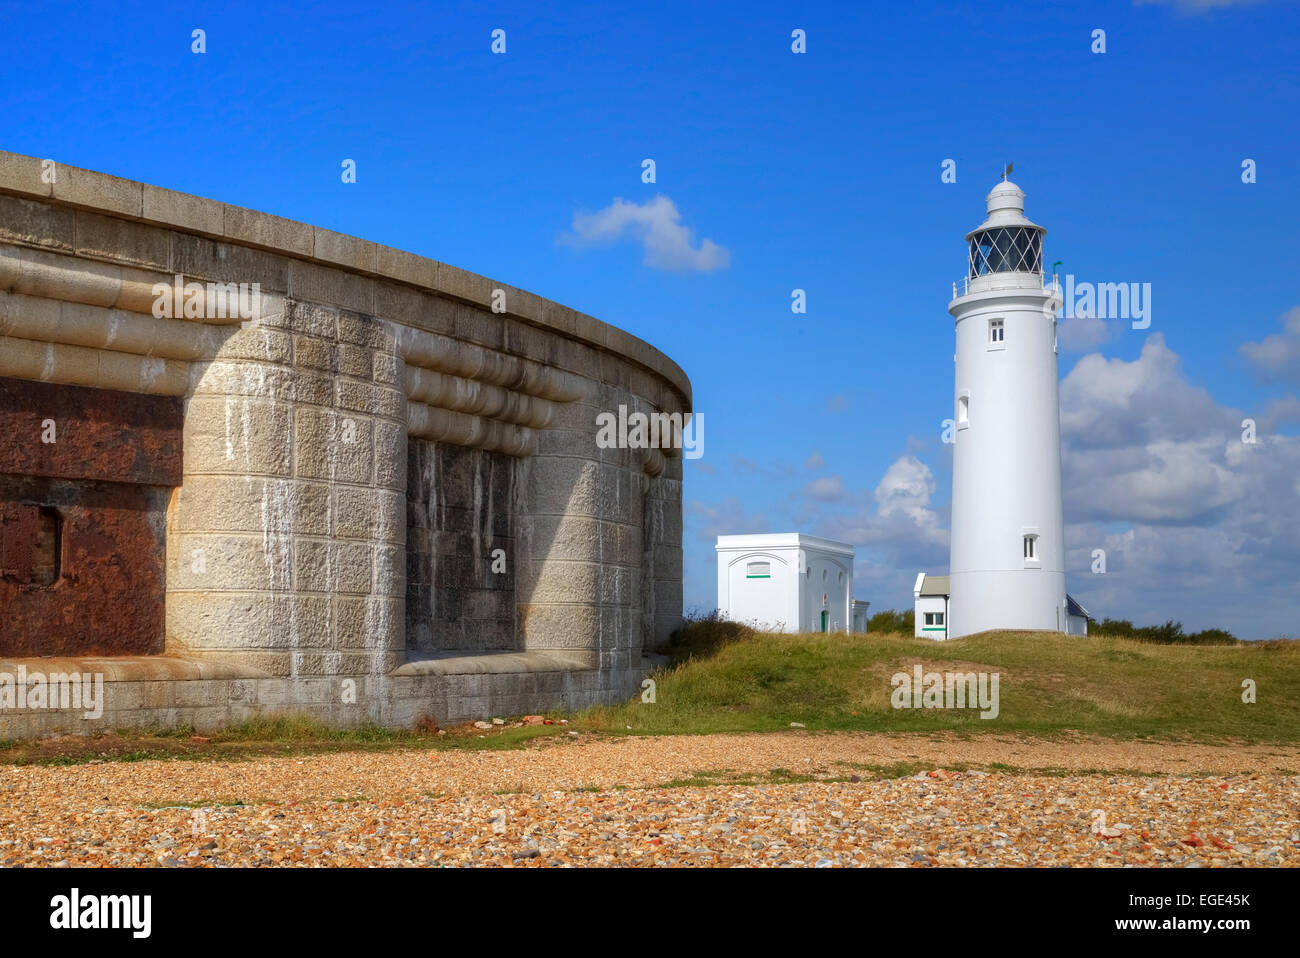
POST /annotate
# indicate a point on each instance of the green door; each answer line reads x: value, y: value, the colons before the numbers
x: 825, y: 615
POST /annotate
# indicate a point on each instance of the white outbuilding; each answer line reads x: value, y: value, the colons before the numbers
x: 932, y: 598
x: 788, y: 582
x: 931, y: 595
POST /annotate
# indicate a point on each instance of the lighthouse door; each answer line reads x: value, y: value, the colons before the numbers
x: 825, y: 615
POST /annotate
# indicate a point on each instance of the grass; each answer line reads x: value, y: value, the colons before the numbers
x: 723, y: 677
x: 282, y: 734
x: 1050, y: 685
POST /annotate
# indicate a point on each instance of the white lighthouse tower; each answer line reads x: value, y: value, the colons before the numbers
x: 1007, y: 562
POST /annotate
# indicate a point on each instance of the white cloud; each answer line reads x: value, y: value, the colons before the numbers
x: 1197, y: 525
x: 906, y: 489
x: 1078, y: 334
x: 657, y: 225
x: 826, y: 489
x: 1277, y: 357
x: 814, y: 461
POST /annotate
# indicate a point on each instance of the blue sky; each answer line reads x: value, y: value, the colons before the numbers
x: 818, y: 171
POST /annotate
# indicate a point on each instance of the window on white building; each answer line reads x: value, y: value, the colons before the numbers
x: 758, y: 570
x: 1031, y: 547
x: 997, y: 331
x: 963, y: 410
x: 934, y: 618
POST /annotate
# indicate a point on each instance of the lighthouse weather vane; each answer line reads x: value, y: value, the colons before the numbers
x: 1007, y: 171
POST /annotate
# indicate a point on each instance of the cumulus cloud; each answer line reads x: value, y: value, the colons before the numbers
x: 1277, y: 357
x: 1078, y: 334
x: 814, y: 461
x: 1279, y: 412
x: 1196, y: 525
x: 906, y: 489
x: 827, y: 489
x: 657, y: 225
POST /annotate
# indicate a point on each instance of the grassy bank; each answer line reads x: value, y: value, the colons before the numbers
x: 726, y: 678
x: 1049, y: 683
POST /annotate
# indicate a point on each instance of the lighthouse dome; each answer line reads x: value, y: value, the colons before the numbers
x: 1006, y: 242
x: 1006, y: 196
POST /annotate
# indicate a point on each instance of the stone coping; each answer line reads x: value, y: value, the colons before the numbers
x: 127, y: 199
x: 134, y: 668
x: 486, y: 663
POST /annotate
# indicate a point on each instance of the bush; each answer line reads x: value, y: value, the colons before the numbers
x: 891, y: 621
x: 703, y: 635
x: 1171, y: 633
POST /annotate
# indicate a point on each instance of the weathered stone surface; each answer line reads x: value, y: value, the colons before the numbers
x: 310, y: 538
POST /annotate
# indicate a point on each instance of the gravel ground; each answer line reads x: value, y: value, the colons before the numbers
x: 602, y: 802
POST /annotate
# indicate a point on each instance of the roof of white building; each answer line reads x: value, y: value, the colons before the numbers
x: 931, y: 585
x: 782, y: 540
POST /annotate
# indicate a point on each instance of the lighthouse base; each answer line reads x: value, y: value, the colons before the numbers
x: 1028, y: 599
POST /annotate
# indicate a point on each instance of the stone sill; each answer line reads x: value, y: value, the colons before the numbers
x: 486, y: 663
x: 135, y: 668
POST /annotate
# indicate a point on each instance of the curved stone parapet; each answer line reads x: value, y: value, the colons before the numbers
x: 385, y: 460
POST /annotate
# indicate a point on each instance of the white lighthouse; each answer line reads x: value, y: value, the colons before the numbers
x: 1007, y: 561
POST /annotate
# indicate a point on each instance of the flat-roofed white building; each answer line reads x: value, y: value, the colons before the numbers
x: 788, y: 582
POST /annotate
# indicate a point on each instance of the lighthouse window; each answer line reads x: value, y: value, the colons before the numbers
x: 997, y: 331
x: 1011, y: 249
x: 758, y: 570
x: 1031, y: 547
x: 963, y: 410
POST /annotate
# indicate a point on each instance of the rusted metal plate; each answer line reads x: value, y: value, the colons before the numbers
x: 72, y: 432
x: 108, y: 598
x: 18, y: 526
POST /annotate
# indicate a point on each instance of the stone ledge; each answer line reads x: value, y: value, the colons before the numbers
x: 488, y: 663
x: 135, y: 668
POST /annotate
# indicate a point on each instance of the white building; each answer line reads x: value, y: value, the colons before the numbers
x: 931, y: 595
x: 1007, y: 551
x: 788, y: 582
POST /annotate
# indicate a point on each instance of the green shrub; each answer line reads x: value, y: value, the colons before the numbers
x: 890, y: 621
x: 703, y: 635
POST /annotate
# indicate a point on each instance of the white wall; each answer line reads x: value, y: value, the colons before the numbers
x: 931, y: 603
x: 830, y: 576
x: 803, y: 569
x: 771, y: 603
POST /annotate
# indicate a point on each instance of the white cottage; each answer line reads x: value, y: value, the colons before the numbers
x: 932, y: 596
x: 788, y: 582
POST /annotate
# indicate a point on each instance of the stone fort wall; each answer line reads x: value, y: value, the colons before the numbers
x: 325, y: 476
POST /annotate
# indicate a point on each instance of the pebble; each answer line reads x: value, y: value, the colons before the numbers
x: 602, y: 802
